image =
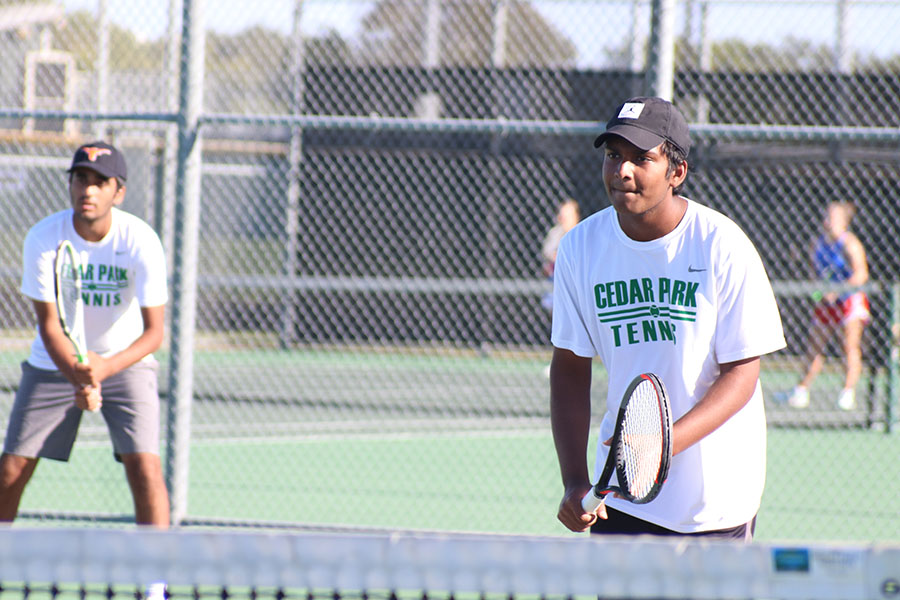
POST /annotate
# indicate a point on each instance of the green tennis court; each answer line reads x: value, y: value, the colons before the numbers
x: 440, y: 441
x: 465, y: 483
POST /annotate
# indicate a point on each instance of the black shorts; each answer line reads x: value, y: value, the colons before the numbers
x: 620, y: 523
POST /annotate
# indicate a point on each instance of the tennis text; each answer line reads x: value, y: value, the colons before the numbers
x: 102, y: 284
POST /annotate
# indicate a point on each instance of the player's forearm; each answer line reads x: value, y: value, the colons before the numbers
x: 570, y: 415
x: 860, y: 275
x: 858, y: 279
x: 858, y: 264
x: 61, y: 352
x: 59, y: 348
x: 570, y: 436
x: 730, y: 393
x: 148, y: 343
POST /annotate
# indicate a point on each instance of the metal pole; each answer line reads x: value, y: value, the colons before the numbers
x: 705, y: 63
x: 102, y: 66
x: 661, y: 68
x: 499, y: 59
x: 432, y: 48
x: 691, y: 47
x: 184, y: 277
x: 843, y: 55
x: 635, y: 54
x: 430, y: 103
x: 295, y: 158
x: 501, y: 25
x: 170, y: 147
x: 843, y: 65
x: 892, y: 402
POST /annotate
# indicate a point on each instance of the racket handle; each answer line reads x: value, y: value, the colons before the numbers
x: 590, y: 502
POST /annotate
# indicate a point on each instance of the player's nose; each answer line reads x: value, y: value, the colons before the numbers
x: 624, y: 169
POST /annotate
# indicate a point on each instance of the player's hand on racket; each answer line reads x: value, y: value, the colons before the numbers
x: 95, y: 370
x: 572, y: 514
x: 88, y: 398
x: 83, y: 374
x: 87, y: 382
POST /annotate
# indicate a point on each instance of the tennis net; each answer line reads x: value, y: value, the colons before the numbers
x: 87, y: 563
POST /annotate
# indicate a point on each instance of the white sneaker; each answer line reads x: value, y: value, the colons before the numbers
x: 847, y: 399
x: 799, y: 397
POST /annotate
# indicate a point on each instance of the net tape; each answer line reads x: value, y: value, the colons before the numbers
x: 440, y: 565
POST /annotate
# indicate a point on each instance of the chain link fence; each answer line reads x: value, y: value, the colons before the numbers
x: 370, y: 344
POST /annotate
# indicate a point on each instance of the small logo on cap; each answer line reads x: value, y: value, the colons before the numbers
x: 93, y: 153
x: 631, y: 110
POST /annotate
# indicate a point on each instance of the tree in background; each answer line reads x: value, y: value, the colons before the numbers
x: 395, y: 33
x: 77, y: 34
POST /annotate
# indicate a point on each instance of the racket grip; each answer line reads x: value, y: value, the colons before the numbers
x: 590, y: 502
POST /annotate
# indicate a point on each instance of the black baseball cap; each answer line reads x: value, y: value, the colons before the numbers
x: 647, y: 122
x: 101, y: 157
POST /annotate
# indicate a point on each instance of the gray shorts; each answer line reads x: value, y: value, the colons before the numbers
x: 44, y: 420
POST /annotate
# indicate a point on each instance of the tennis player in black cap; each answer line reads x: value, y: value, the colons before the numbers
x: 124, y: 273
x: 659, y: 283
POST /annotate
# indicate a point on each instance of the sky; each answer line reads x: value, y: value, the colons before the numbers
x: 148, y: 18
x: 594, y: 25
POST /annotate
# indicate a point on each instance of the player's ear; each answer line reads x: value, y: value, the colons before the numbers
x: 679, y: 174
x: 120, y: 194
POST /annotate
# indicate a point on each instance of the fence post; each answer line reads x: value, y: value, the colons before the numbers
x: 661, y: 66
x: 184, y: 276
x: 893, y: 397
x: 288, y: 328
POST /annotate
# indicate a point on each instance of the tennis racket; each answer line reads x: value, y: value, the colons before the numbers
x: 69, y: 303
x: 641, y: 447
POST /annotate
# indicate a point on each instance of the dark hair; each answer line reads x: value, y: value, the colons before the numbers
x: 675, y: 157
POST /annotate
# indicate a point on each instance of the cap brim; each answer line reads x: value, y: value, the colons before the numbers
x: 93, y: 167
x: 641, y: 138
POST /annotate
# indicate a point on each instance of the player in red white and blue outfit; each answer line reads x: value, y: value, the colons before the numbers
x: 839, y: 259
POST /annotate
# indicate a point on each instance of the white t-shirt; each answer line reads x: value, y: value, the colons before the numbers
x: 677, y: 306
x: 123, y: 272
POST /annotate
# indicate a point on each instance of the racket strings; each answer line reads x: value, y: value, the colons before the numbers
x: 70, y: 296
x: 641, y: 447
